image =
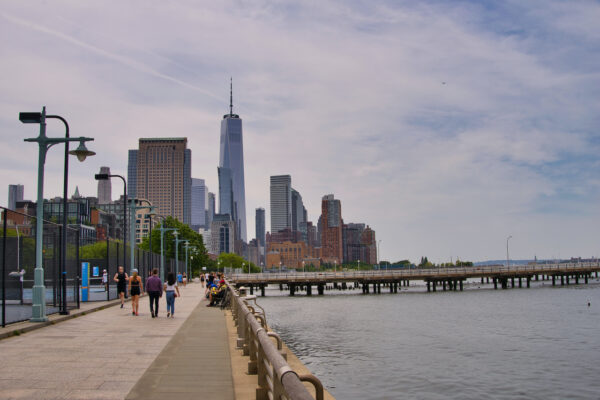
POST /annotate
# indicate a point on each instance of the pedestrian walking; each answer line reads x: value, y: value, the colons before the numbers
x: 135, y: 289
x: 184, y: 279
x: 202, y: 279
x: 154, y: 288
x: 172, y: 291
x: 121, y: 278
x: 105, y: 280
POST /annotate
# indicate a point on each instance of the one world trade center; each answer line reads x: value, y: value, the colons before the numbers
x: 231, y: 161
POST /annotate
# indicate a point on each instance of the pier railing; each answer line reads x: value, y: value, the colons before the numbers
x: 419, y: 273
x: 276, y: 379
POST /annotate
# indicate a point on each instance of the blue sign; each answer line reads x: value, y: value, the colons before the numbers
x: 96, y: 271
x: 85, y: 280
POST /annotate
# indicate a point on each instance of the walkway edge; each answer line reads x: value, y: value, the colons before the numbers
x: 19, y: 328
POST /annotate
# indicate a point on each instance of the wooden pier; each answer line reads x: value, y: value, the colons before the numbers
x: 434, y: 278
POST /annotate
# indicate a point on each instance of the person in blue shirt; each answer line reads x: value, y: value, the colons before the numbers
x: 179, y: 277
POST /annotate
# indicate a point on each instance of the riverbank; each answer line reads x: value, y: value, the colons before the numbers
x: 537, y: 343
x: 245, y: 384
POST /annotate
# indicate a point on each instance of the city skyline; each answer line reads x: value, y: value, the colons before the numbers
x: 446, y: 127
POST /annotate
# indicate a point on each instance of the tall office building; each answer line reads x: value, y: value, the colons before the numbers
x: 164, y: 176
x: 232, y: 157
x: 131, y: 173
x: 281, y: 203
x: 226, y: 199
x: 15, y: 193
x: 222, y: 234
x: 260, y: 226
x: 104, y: 187
x: 298, y: 211
x: 210, y: 209
x: 199, y: 200
x: 331, y: 229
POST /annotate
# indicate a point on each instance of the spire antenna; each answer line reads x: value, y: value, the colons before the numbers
x: 231, y: 96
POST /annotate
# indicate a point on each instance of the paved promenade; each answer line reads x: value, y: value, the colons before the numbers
x: 106, y: 354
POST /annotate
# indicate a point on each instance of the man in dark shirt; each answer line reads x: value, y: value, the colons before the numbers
x: 154, y: 287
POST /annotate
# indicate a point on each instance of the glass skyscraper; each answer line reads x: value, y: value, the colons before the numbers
x: 281, y: 203
x: 232, y: 157
x: 199, y: 200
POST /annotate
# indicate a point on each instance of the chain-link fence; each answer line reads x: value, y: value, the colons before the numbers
x: 17, y: 250
x: 17, y: 264
x: 106, y: 260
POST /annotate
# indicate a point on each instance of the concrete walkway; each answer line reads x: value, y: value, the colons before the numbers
x: 195, y: 364
x: 103, y: 354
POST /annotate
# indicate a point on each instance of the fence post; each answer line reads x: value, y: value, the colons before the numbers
x: 78, y: 266
x: 4, y: 269
x: 107, y: 269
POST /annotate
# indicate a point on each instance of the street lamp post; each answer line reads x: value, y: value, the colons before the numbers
x: 186, y: 244
x: 303, y: 267
x: 38, y: 313
x: 104, y: 177
x: 177, y: 241
x: 162, y: 249
x: 378, y: 255
x: 507, y: 258
x: 193, y: 250
x: 334, y: 266
x: 132, y: 221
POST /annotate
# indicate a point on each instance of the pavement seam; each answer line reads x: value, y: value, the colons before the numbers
x: 13, y: 331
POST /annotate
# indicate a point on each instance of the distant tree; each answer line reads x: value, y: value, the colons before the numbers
x: 93, y: 251
x: 198, y: 258
x: 231, y: 260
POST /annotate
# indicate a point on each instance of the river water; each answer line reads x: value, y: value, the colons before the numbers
x: 538, y: 343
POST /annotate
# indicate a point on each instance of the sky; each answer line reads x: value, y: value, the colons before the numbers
x: 446, y: 126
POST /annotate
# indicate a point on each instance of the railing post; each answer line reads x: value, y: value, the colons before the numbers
x: 4, y: 269
x: 263, y: 385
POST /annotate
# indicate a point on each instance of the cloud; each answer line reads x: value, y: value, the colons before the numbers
x: 446, y: 126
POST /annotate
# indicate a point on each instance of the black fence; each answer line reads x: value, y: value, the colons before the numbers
x: 17, y: 250
x: 102, y: 285
x: 17, y: 264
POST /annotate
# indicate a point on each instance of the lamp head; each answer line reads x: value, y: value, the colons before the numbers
x: 82, y: 152
x: 30, y: 117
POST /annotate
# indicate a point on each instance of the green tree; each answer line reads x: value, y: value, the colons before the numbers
x: 198, y: 257
x: 231, y: 260
x: 93, y: 251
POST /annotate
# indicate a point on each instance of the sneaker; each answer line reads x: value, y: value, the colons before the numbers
x: 133, y: 313
x: 121, y: 305
x: 136, y: 314
x: 168, y: 315
x: 153, y: 315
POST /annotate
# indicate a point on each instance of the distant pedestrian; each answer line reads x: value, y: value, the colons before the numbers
x: 179, y: 277
x: 184, y: 279
x: 105, y: 280
x: 154, y: 287
x: 171, y: 291
x: 202, y: 279
x: 135, y: 289
x: 121, y: 278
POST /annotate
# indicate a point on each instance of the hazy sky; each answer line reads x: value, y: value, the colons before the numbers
x: 444, y: 125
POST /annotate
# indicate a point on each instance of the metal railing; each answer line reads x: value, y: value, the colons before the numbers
x: 276, y: 379
x: 418, y: 272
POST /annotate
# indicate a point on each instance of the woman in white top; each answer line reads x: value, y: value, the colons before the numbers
x: 171, y: 289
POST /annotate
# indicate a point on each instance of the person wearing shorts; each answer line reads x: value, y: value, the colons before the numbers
x: 135, y: 289
x: 121, y: 278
